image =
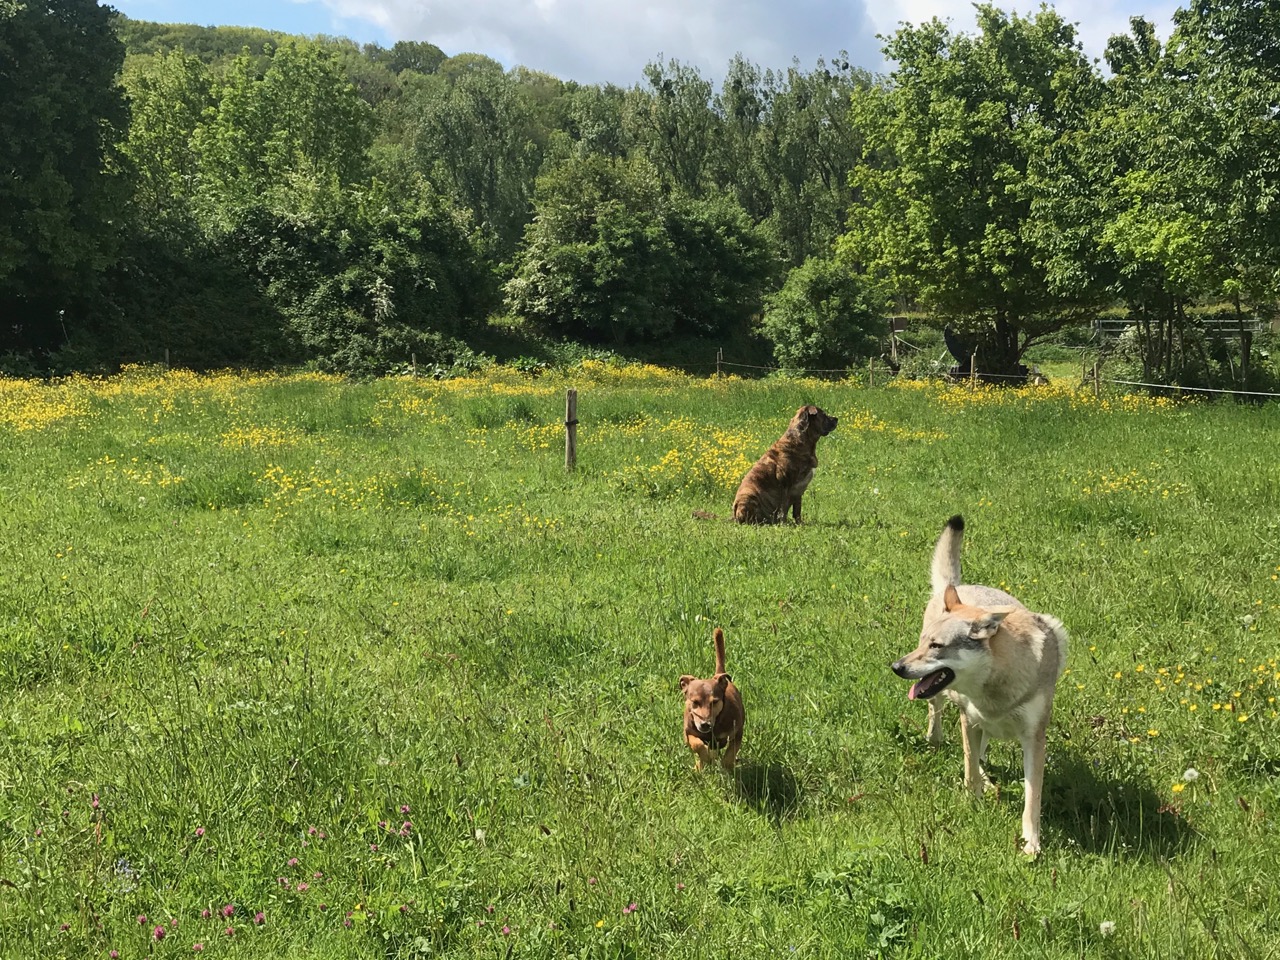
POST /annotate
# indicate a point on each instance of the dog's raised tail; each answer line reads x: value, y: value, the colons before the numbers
x: 945, y: 570
x: 720, y: 660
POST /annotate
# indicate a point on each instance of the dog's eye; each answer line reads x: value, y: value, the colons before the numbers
x: 935, y: 645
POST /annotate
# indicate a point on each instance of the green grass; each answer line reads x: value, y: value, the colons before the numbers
x: 254, y: 619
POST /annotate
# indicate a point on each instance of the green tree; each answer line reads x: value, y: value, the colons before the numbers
x: 673, y: 124
x: 597, y: 259
x: 946, y: 205
x: 63, y: 192
x: 365, y: 285
x: 294, y: 138
x: 609, y: 256
x: 806, y: 150
x: 1166, y: 195
x: 826, y: 316
x: 1232, y: 49
x: 474, y: 135
x: 169, y: 95
x: 723, y: 263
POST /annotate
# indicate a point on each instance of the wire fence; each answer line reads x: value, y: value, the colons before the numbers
x: 1095, y: 379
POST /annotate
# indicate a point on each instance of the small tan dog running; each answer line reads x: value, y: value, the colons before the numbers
x: 777, y: 481
x: 713, y: 714
x: 997, y: 661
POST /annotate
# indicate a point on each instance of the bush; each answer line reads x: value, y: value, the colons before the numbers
x: 363, y: 289
x: 610, y: 259
x: 825, y: 315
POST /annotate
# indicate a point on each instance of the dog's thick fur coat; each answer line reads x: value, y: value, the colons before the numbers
x: 996, y: 660
x: 777, y: 481
x: 713, y: 713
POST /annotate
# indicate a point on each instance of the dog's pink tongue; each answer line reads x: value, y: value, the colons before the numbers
x: 914, y: 692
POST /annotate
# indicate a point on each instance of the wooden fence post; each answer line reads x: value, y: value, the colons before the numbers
x: 166, y: 358
x: 719, y: 359
x: 570, y: 429
x: 413, y: 358
x: 871, y: 372
x: 1097, y: 386
x: 973, y: 370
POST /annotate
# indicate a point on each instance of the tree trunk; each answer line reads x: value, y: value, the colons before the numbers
x: 1148, y: 352
x: 1246, y: 345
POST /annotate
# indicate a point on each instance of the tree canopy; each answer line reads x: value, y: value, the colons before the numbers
x: 238, y: 195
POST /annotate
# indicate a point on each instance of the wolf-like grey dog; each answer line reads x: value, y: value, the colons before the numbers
x: 997, y: 661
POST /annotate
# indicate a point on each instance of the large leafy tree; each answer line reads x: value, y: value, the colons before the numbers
x: 169, y: 94
x: 785, y: 149
x: 807, y: 149
x: 610, y: 256
x: 62, y: 192
x: 1167, y: 195
x: 597, y: 258
x: 1232, y: 49
x: 673, y: 124
x: 294, y: 138
x: 474, y: 134
x: 946, y: 204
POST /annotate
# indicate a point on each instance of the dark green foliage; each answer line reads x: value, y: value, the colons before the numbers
x: 826, y: 316
x: 597, y: 258
x: 362, y: 289
x: 190, y: 299
x: 62, y: 188
x: 723, y: 264
x: 609, y: 257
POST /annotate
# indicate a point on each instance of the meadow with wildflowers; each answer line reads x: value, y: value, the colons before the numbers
x: 295, y: 667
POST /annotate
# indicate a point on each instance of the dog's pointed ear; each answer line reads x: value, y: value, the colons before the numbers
x: 803, y: 417
x: 985, y: 627
x: 687, y: 679
x: 722, y: 680
x: 950, y: 598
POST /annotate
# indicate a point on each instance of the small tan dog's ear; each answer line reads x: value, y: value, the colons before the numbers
x: 722, y: 680
x: 950, y: 598
x: 686, y: 680
x: 986, y: 627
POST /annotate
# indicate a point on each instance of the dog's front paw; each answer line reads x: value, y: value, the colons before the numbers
x: 1031, y: 847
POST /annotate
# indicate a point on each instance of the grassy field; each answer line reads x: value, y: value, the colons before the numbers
x: 297, y: 668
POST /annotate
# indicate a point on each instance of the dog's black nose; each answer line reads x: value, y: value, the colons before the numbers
x: 899, y: 667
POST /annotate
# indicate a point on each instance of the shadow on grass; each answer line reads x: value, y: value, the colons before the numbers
x: 770, y: 789
x: 1109, y: 814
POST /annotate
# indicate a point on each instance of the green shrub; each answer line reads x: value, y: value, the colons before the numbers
x: 825, y: 316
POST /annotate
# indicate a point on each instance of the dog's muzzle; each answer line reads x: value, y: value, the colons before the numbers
x: 929, y: 685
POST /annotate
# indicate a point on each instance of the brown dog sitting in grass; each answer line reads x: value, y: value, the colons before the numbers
x: 713, y: 714
x: 779, y: 479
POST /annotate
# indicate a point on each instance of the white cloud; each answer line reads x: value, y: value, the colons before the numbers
x: 1096, y: 20
x: 612, y: 40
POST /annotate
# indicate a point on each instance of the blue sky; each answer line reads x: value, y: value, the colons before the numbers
x: 611, y: 40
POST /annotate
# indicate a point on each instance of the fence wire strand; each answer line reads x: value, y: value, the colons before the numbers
x: 962, y: 378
